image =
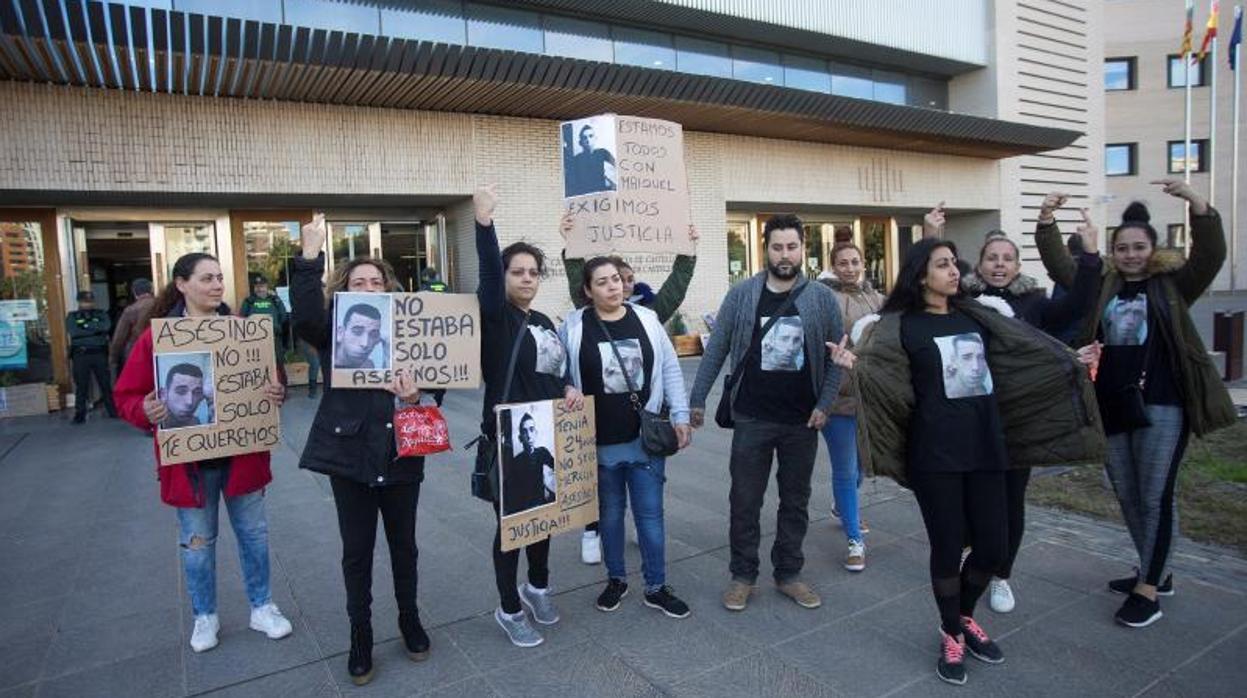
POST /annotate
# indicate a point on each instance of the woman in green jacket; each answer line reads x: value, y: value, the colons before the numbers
x: 1156, y: 383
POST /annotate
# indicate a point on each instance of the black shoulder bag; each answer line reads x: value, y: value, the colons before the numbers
x: 485, y: 471
x: 658, y: 436
x: 723, y: 414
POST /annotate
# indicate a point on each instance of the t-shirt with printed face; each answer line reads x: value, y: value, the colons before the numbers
x: 1127, y: 329
x: 955, y: 425
x: 776, y: 384
x: 603, y: 378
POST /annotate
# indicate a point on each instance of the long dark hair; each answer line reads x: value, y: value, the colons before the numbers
x: 907, y: 293
x: 170, y: 296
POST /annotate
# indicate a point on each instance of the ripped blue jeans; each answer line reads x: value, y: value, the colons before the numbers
x: 198, y: 542
x: 642, y: 481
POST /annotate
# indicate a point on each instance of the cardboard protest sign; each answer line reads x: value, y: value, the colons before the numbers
x: 547, y: 470
x: 625, y: 186
x: 434, y: 337
x: 211, y: 373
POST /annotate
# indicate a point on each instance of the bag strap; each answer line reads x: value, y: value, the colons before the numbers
x: 515, y: 353
x: 636, y: 400
x: 757, y: 342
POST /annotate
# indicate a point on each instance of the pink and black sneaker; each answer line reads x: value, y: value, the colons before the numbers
x: 952, y: 664
x: 979, y: 644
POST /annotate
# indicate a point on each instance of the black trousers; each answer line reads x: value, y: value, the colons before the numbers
x: 755, y: 444
x: 357, y: 506
x: 956, y: 508
x: 507, y: 569
x: 86, y: 365
x: 1016, y: 481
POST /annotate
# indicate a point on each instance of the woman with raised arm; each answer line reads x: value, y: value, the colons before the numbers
x: 352, y: 441
x: 620, y: 354
x: 522, y: 360
x: 196, y: 489
x: 952, y: 394
x: 1156, y: 383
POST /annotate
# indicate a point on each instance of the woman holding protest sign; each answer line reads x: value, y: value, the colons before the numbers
x: 352, y: 441
x: 196, y: 488
x: 522, y: 360
x: 621, y: 355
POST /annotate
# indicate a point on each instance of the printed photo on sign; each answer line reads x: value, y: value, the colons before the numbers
x: 551, y: 356
x: 361, y: 333
x: 526, y: 454
x: 589, y: 156
x: 783, y: 347
x: 964, y: 358
x: 613, y: 378
x: 184, y: 384
x: 1125, y: 321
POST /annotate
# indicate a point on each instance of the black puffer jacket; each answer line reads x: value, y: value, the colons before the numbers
x: 352, y: 435
x: 1032, y: 305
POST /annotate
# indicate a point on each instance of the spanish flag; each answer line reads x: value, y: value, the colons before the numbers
x: 1189, y: 30
x: 1210, y: 31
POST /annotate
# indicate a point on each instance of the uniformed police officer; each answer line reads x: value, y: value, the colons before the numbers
x: 89, y: 330
x: 263, y: 301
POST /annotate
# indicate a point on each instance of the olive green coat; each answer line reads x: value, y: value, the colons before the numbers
x: 1045, y: 396
x: 1180, y: 282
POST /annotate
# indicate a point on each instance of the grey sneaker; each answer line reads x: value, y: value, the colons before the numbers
x: 519, y: 631
x: 539, y: 604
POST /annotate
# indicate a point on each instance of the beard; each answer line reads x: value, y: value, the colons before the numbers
x: 781, y: 273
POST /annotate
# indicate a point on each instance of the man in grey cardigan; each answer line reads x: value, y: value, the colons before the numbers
x: 780, y: 401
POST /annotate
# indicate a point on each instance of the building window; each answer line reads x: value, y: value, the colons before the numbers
x: 851, y: 81
x: 807, y: 74
x: 643, y: 48
x: 756, y: 65
x: 1178, y: 157
x: 1120, y: 160
x: 701, y: 57
x: 504, y: 28
x: 1177, y: 72
x: 435, y: 20
x: 25, y: 338
x: 576, y: 38
x: 1119, y: 74
x: 1175, y: 236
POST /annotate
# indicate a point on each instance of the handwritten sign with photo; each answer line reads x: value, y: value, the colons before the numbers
x: 547, y: 470
x: 434, y: 337
x: 626, y: 192
x: 211, y: 373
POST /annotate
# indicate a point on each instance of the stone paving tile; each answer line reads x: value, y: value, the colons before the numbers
x: 106, y: 642
x: 22, y: 661
x: 311, y: 680
x: 397, y: 675
x: 854, y: 659
x: 580, y: 669
x: 29, y: 621
x: 761, y: 674
x: 153, y: 674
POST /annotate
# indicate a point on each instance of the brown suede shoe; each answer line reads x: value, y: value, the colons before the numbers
x: 736, y: 597
x: 801, y: 593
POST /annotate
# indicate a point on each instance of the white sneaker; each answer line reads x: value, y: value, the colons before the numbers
x: 269, y: 620
x: 204, y: 636
x: 590, y: 548
x: 1001, y: 596
x: 855, y: 561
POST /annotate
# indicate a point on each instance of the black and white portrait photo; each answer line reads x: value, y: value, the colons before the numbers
x: 783, y: 347
x: 1125, y: 321
x: 964, y: 358
x: 551, y: 356
x: 589, y: 156
x: 361, y: 332
x: 526, y: 454
x: 613, y: 379
x: 184, y: 385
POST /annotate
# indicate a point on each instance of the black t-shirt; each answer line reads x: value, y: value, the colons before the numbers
x: 539, y: 369
x: 523, y: 482
x: 955, y: 426
x: 617, y: 422
x: 776, y: 384
x: 1127, y: 329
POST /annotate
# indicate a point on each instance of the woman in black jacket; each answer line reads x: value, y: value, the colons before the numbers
x: 352, y: 441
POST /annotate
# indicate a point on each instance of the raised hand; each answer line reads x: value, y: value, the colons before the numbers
x: 1181, y: 189
x: 692, y: 233
x: 1048, y: 209
x: 312, y: 237
x: 933, y: 222
x: 484, y: 201
x: 1089, y: 233
x: 566, y: 225
x: 840, y: 354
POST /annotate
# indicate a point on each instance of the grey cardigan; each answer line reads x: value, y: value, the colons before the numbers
x: 734, y: 328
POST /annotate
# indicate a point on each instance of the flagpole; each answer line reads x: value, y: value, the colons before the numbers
x: 1212, y: 130
x: 1234, y: 164
x: 1186, y: 150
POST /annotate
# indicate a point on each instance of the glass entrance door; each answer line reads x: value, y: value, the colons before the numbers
x: 170, y: 241
x: 417, y: 252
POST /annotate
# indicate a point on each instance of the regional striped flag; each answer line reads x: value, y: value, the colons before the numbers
x: 1189, y: 31
x: 1210, y: 30
x: 1236, y: 36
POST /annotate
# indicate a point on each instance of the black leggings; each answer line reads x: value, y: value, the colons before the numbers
x: 357, y: 506
x: 957, y: 507
x: 1016, y: 481
x: 507, y: 567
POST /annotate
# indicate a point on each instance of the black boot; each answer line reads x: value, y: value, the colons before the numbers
x: 414, y: 637
x: 359, y: 663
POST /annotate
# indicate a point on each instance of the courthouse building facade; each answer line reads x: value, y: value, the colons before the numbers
x: 136, y: 132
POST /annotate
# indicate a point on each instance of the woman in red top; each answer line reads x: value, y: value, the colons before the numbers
x: 195, y: 488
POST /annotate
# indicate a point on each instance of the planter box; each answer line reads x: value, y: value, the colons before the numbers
x: 296, y: 373
x: 23, y: 400
x: 687, y: 344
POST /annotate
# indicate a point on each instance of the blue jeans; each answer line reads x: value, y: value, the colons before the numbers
x: 840, y: 432
x: 198, y: 542
x: 644, y: 482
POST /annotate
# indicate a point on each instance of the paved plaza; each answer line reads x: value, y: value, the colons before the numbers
x: 92, y: 601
